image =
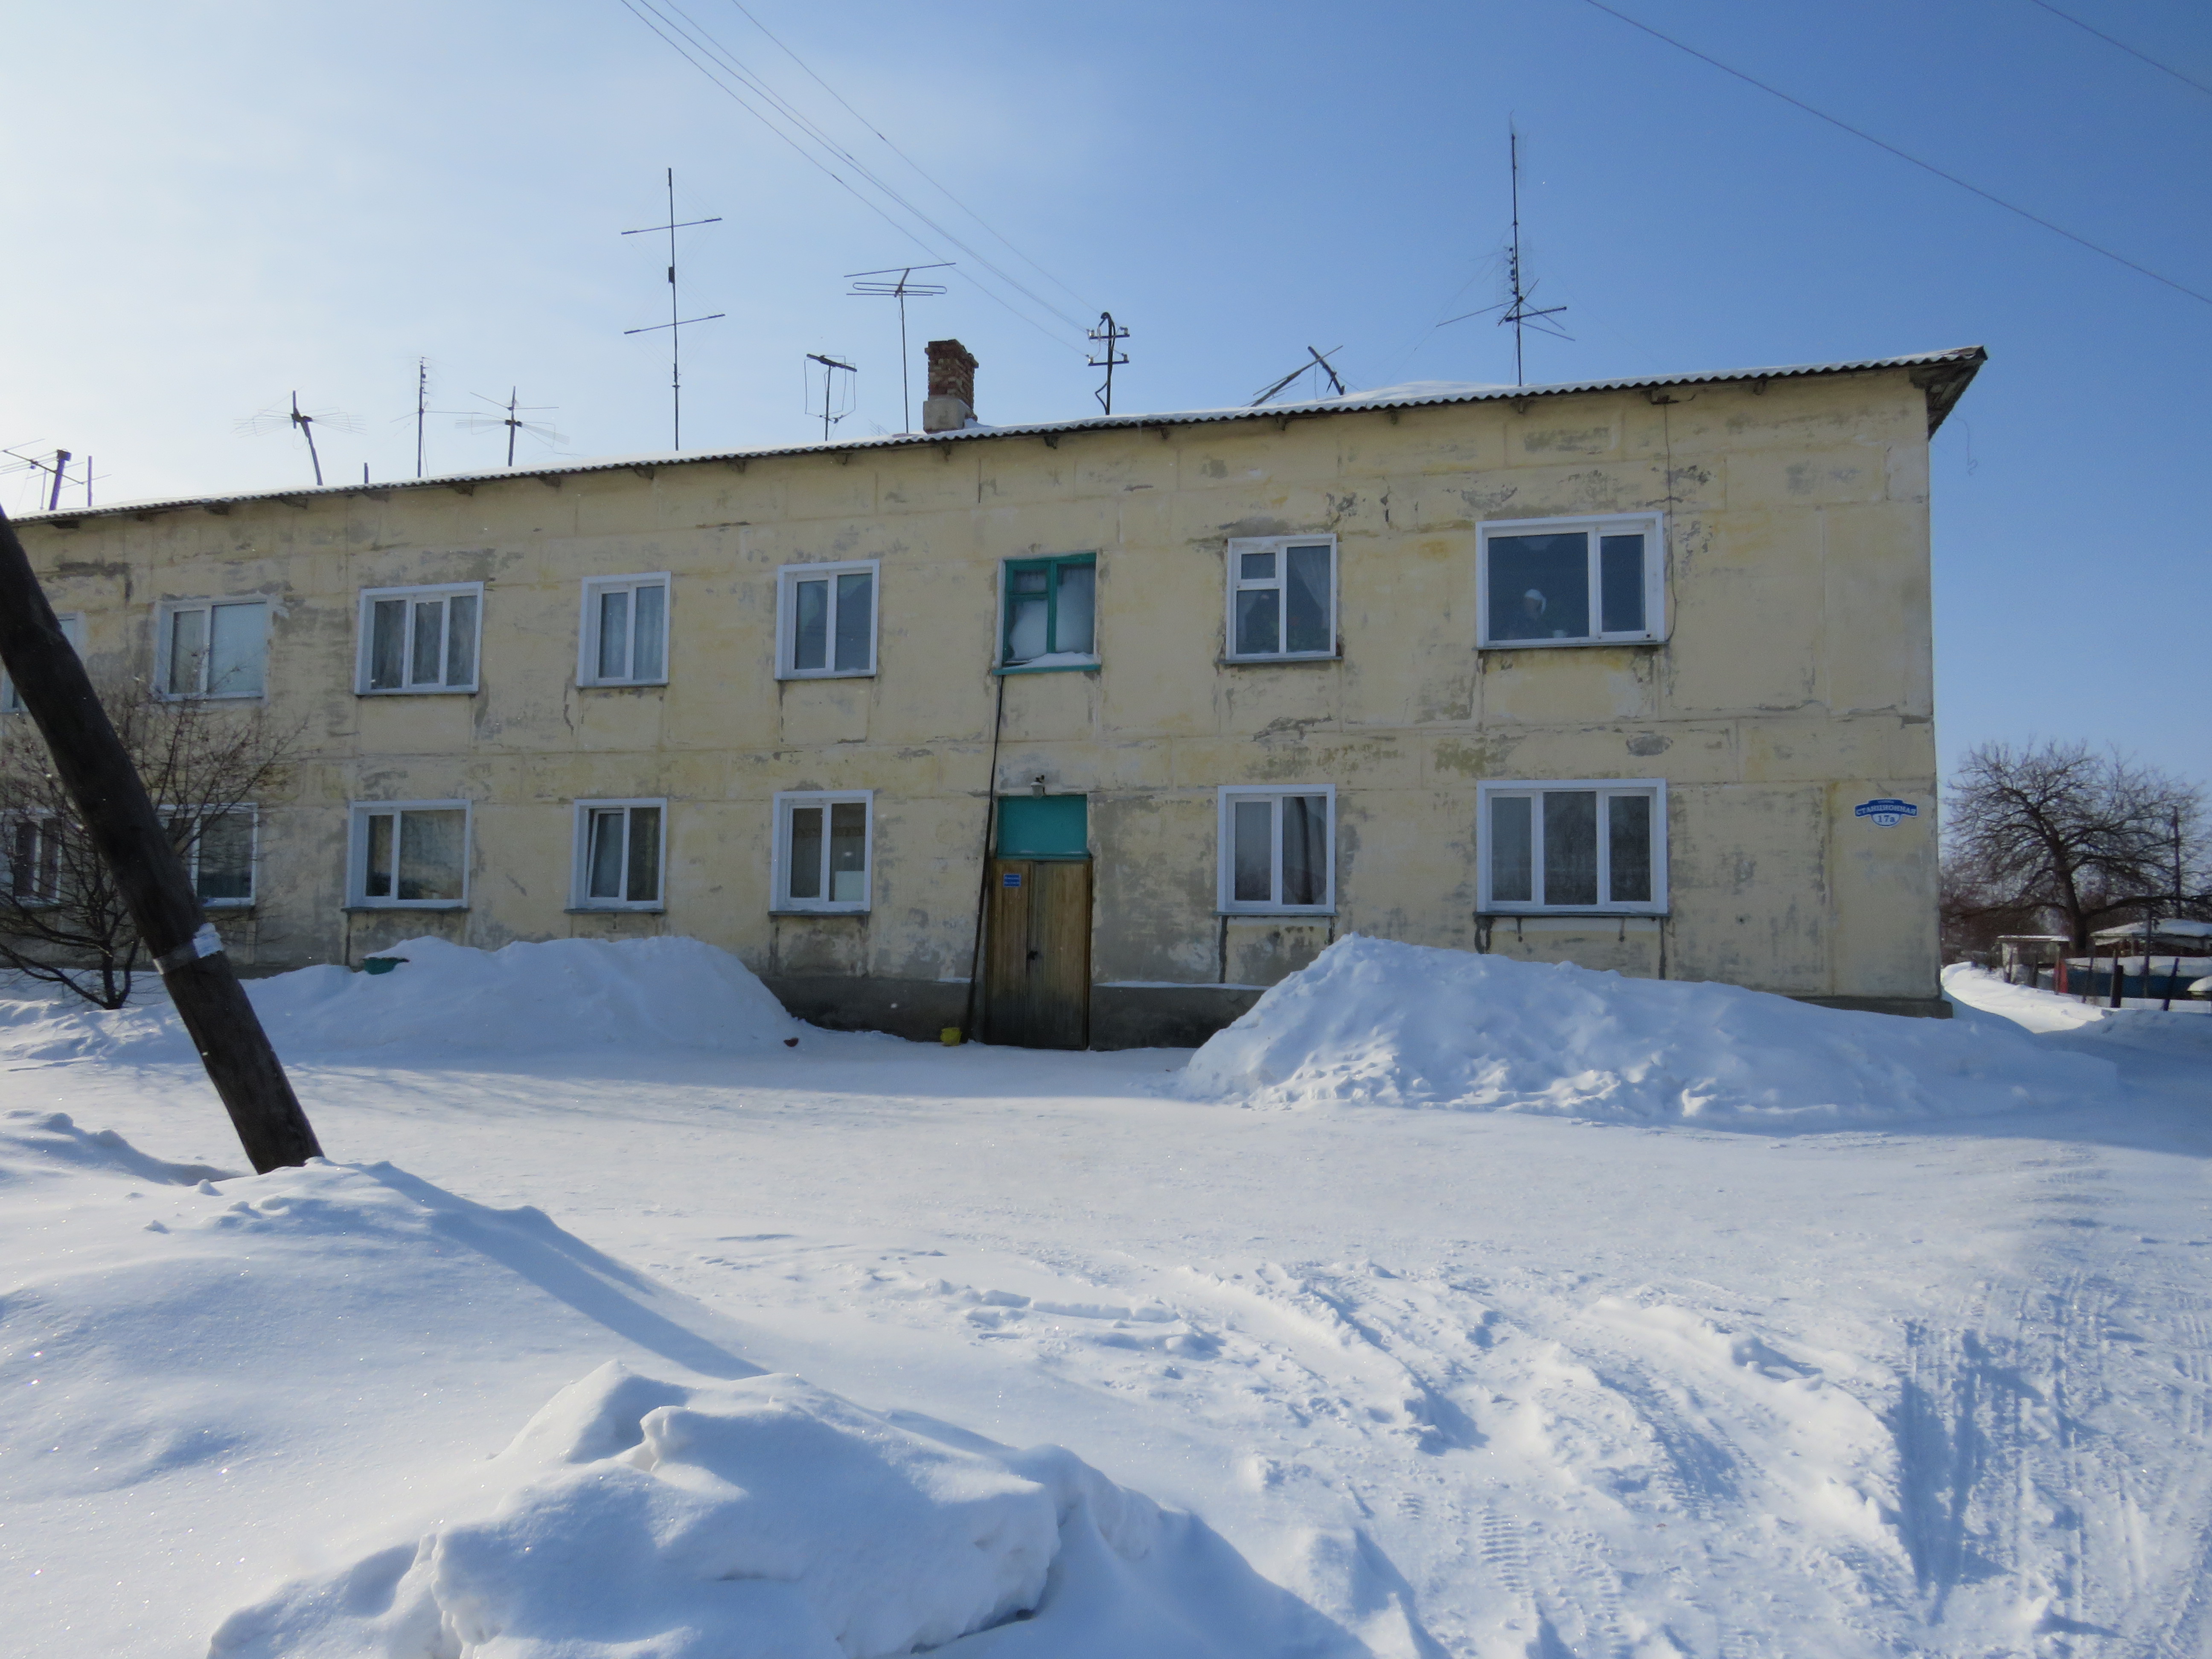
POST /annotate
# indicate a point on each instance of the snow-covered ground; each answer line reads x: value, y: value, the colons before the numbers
x: 1445, y: 1307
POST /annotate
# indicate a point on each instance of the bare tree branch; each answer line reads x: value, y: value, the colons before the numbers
x: 2071, y: 839
x: 63, y: 919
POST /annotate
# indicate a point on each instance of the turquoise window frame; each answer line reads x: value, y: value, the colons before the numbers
x: 1051, y: 564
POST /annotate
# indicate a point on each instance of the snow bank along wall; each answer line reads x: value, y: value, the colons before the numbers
x: 1788, y: 685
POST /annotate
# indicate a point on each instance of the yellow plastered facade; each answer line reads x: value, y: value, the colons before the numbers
x: 1794, y: 682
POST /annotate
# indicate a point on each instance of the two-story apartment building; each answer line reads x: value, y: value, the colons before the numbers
x: 1083, y: 732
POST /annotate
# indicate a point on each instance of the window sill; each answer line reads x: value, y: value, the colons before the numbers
x: 1090, y: 667
x: 615, y: 910
x: 201, y: 697
x: 403, y: 908
x: 418, y: 691
x: 1279, y: 915
x: 1286, y: 661
x: 1619, y: 642
x: 618, y: 685
x: 227, y: 906
x: 1533, y: 915
x: 826, y: 910
x: 803, y: 674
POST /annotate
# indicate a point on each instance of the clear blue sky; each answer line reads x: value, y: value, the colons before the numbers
x: 210, y: 205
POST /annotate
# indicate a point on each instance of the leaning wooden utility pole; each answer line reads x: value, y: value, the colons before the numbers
x: 95, y: 769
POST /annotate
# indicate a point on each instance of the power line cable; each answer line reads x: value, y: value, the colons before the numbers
x: 2145, y: 56
x: 940, y: 187
x: 680, y: 38
x: 1902, y: 156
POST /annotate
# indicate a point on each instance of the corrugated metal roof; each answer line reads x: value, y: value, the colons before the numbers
x: 1944, y: 375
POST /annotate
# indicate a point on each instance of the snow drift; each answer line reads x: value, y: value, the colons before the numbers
x: 289, y: 1370
x: 1370, y: 1021
x: 762, y: 1519
x: 525, y: 998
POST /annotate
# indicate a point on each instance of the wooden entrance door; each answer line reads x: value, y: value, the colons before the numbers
x: 1036, y: 963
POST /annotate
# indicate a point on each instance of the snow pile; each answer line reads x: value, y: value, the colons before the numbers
x: 563, y: 995
x: 740, y: 1520
x: 262, y: 1376
x: 1376, y: 1022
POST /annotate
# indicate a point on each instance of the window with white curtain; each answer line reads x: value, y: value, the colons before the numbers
x: 1277, y: 853
x: 619, y: 848
x: 826, y: 620
x: 822, y: 854
x: 410, y: 853
x: 419, y: 639
x: 212, y: 648
x: 1282, y: 597
x: 625, y: 631
x: 1586, y: 845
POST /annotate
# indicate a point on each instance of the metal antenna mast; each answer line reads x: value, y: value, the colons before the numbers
x: 1520, y: 313
x: 422, y: 407
x: 1110, y: 336
x: 831, y: 413
x: 1516, y: 306
x: 1317, y: 360
x: 300, y: 420
x: 902, y: 289
x: 510, y: 416
x: 676, y: 322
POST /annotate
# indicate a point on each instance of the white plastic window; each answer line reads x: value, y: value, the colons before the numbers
x: 72, y: 623
x: 1586, y: 845
x: 826, y: 620
x: 419, y: 639
x: 218, y: 849
x: 1571, y: 581
x: 1278, y: 850
x: 619, y: 848
x: 412, y: 854
x: 33, y: 853
x: 625, y: 631
x: 1282, y: 597
x: 822, y: 850
x: 212, y: 648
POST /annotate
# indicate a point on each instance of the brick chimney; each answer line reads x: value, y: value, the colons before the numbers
x: 951, y: 401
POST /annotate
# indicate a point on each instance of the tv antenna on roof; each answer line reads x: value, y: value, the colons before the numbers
x: 678, y: 322
x: 1518, y: 311
x: 867, y: 285
x: 1107, y: 334
x: 1315, y: 359
x: 834, y: 407
x: 275, y: 420
x: 509, y: 416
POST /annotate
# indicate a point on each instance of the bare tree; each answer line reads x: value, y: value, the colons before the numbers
x: 2085, y: 837
x: 205, y: 764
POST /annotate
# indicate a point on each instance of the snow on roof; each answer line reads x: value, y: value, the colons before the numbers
x: 2173, y: 929
x: 1943, y: 376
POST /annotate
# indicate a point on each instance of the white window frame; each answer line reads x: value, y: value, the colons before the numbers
x: 1280, y: 546
x: 357, y: 815
x: 1488, y: 904
x: 165, y: 616
x: 9, y: 823
x: 587, y: 632
x: 365, y: 643
x: 787, y: 579
x: 191, y: 855
x: 1651, y: 525
x: 72, y: 623
x: 579, y: 876
x: 1227, y: 904
x: 779, y: 899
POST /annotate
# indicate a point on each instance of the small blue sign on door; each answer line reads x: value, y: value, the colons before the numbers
x: 1012, y: 878
x: 1887, y: 813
